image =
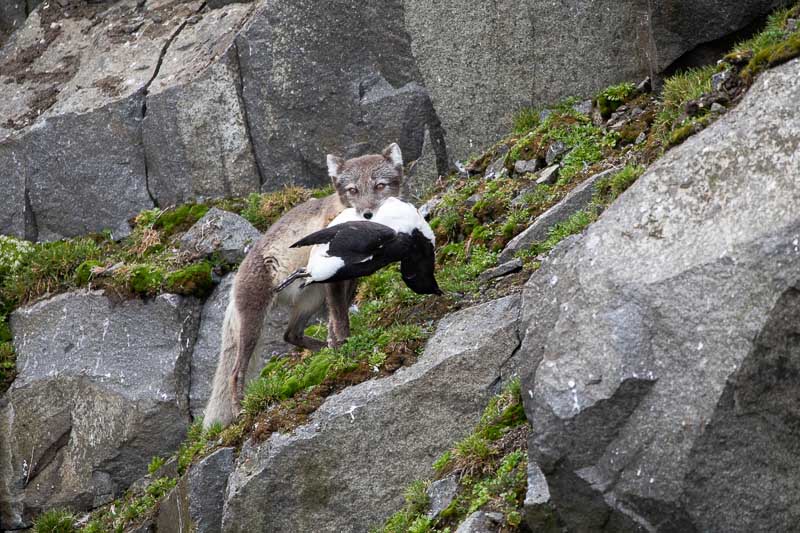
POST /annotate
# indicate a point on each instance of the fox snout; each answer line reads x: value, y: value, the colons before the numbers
x: 368, y: 214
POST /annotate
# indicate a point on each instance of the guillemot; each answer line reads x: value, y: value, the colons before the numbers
x: 351, y: 247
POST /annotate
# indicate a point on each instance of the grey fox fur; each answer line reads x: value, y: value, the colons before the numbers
x: 362, y: 183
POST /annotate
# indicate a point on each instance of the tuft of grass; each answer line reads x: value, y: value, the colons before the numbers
x: 574, y: 224
x: 130, y: 509
x: 145, y: 279
x: 614, y: 96
x: 609, y: 189
x: 55, y: 521
x: 265, y: 208
x: 46, y: 268
x: 197, y: 441
x: 155, y: 464
x: 678, y: 90
x: 526, y: 119
x: 491, y: 467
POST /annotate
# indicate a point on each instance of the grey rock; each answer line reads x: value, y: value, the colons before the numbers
x: 195, y: 133
x: 519, y: 199
x: 102, y: 387
x: 718, y: 108
x: 421, y: 175
x: 554, y: 152
x: 223, y: 232
x: 577, y: 199
x: 71, y: 137
x: 549, y: 175
x: 441, y: 493
x: 539, y: 512
x: 641, y: 138
x: 333, y: 475
x: 496, y: 169
x: 473, y: 199
x: 363, y: 92
x: 195, y: 504
x: 719, y: 79
x: 12, y: 15
x: 429, y: 208
x: 504, y: 269
x: 524, y: 167
x: 473, y: 65
x: 657, y: 369
x: 584, y: 107
x: 206, y: 350
x: 481, y: 522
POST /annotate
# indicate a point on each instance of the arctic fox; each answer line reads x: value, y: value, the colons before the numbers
x: 362, y: 183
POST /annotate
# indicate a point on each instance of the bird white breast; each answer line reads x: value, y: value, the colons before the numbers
x: 320, y: 265
x: 403, y: 217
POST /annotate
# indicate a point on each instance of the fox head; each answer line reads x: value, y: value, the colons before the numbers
x: 365, y: 182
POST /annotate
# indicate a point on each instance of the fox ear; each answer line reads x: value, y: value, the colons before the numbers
x: 334, y: 166
x: 393, y: 154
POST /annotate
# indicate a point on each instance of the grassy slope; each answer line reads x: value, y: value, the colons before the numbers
x: 473, y: 222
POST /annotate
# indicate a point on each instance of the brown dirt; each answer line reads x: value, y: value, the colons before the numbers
x: 109, y: 85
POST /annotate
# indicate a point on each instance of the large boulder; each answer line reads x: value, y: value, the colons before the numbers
x: 102, y: 387
x: 346, y: 469
x: 196, y: 135
x: 332, y: 77
x: 661, y: 357
x: 71, y: 143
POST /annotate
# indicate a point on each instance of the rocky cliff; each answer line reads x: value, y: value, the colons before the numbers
x: 615, y: 350
x: 117, y: 106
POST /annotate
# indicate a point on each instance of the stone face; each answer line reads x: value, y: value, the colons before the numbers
x: 524, y: 167
x: 337, y: 77
x: 577, y: 199
x: 195, y: 504
x: 333, y: 474
x: 481, y: 522
x: 195, y: 134
x: 661, y: 369
x: 476, y: 66
x: 222, y: 232
x: 71, y: 137
x: 102, y: 387
x: 206, y: 350
x: 441, y: 494
x: 503, y: 269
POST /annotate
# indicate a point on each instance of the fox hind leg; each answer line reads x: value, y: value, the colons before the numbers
x: 305, y: 307
x: 338, y: 297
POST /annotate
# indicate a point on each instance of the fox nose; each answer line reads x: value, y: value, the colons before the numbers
x: 368, y: 215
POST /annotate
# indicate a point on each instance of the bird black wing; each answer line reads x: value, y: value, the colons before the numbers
x: 353, y: 241
x: 417, y: 268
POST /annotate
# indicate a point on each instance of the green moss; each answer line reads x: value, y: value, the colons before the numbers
x: 145, y: 279
x: 55, y: 521
x: 192, y: 280
x: 771, y: 56
x: 83, y: 274
x: 8, y: 368
x: 574, y: 224
x: 180, y: 218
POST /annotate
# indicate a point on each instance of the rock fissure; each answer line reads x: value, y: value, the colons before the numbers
x: 245, y: 112
x: 146, y: 90
x: 48, y: 455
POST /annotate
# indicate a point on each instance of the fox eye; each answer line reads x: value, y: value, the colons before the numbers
x: 380, y: 186
x: 352, y: 190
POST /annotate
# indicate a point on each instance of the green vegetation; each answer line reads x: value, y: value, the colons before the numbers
x: 526, y: 119
x: 55, y: 521
x: 131, y: 508
x: 263, y: 209
x: 608, y: 189
x: 155, y: 464
x: 490, y: 464
x: 614, y: 96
